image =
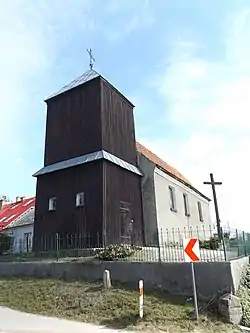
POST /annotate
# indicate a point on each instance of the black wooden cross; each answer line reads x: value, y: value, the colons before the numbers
x: 91, y: 58
x: 213, y: 184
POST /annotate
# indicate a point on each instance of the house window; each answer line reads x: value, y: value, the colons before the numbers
x: 80, y: 199
x: 172, y: 199
x: 186, y: 204
x: 52, y: 204
x: 200, y: 212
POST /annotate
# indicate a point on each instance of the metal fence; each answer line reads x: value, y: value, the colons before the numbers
x: 165, y: 246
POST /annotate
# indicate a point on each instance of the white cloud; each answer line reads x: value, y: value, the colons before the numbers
x: 33, y: 35
x: 211, y: 101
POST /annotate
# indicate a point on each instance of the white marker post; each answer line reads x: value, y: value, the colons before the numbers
x: 192, y: 254
x: 141, y: 298
x: 106, y: 279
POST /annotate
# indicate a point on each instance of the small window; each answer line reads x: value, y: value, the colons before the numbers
x: 186, y: 204
x: 52, y: 204
x: 200, y: 212
x: 172, y: 199
x: 80, y: 199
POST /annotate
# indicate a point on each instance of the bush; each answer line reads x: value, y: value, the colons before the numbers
x: 5, y: 243
x: 210, y: 244
x: 116, y: 252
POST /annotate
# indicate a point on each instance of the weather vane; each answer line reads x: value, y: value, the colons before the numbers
x: 91, y: 59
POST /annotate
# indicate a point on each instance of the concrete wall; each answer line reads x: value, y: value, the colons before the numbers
x: 174, y: 278
x: 168, y: 219
x: 237, y: 268
x: 148, y: 200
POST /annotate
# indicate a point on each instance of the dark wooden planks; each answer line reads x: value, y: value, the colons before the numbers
x: 67, y: 218
x: 122, y: 186
x: 118, y: 132
x: 73, y: 126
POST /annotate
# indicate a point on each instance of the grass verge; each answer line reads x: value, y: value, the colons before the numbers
x: 116, y: 308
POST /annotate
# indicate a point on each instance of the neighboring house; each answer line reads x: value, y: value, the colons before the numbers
x: 172, y: 207
x: 17, y: 220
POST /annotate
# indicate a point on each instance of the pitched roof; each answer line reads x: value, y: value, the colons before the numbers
x: 87, y: 76
x: 25, y: 219
x: 13, y: 211
x: 166, y: 168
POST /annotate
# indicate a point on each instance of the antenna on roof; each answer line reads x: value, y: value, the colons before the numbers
x: 91, y: 59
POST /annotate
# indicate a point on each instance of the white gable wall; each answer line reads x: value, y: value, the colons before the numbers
x: 20, y: 244
x: 167, y: 219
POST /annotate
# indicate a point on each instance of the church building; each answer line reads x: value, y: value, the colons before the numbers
x: 98, y: 181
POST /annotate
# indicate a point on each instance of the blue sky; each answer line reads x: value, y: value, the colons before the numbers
x: 184, y: 64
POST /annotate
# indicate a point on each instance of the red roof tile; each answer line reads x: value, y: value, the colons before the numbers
x: 12, y: 211
x: 159, y: 162
x: 166, y: 167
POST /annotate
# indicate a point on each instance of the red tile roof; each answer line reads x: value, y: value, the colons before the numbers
x: 12, y: 211
x: 159, y: 162
x: 166, y: 167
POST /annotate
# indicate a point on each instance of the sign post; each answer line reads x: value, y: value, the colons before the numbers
x: 192, y: 254
x: 141, y: 298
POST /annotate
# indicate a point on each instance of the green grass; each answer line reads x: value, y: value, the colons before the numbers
x: 115, y: 308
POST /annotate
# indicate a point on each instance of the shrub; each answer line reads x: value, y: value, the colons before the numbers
x: 116, y: 252
x: 210, y: 244
x: 5, y: 243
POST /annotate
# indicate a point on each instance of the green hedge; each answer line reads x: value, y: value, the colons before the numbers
x: 116, y: 252
x: 210, y: 244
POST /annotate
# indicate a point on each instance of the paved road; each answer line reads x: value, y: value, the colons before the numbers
x: 17, y: 322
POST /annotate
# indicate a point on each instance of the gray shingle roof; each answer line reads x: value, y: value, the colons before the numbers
x: 101, y: 154
x: 87, y: 76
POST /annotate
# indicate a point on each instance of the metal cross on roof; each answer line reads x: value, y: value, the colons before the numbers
x: 91, y: 59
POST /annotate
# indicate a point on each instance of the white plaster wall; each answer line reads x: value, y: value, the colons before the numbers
x: 18, y: 234
x: 167, y: 219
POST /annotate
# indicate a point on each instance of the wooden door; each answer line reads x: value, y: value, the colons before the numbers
x: 126, y: 223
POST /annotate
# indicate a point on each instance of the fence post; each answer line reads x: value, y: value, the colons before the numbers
x: 21, y: 249
x: 244, y: 242
x: 57, y: 246
x: 237, y: 240
x: 160, y: 243
x: 224, y: 245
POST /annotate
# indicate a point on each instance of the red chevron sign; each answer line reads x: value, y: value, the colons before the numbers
x: 191, y: 249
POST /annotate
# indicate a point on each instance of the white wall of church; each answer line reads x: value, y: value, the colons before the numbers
x: 168, y: 219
